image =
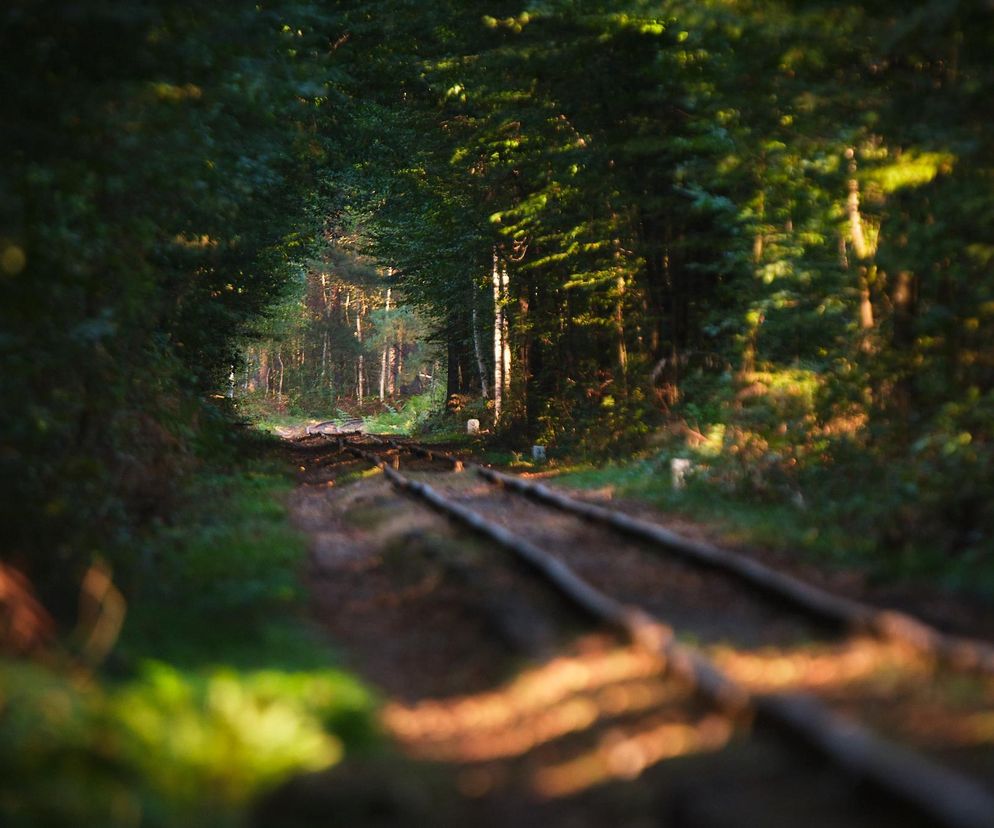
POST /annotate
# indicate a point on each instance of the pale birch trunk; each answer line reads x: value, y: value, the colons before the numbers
x: 498, y: 349
x: 859, y: 244
x: 383, y: 360
x: 360, y: 368
x: 505, y: 339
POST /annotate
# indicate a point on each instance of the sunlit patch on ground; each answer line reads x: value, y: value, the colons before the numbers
x: 616, y: 702
x: 898, y: 689
x: 821, y: 666
x: 624, y: 753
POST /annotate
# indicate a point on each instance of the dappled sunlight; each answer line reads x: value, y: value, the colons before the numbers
x: 241, y: 732
x: 625, y: 714
x: 624, y: 753
x: 565, y: 695
x: 900, y: 687
x: 821, y: 666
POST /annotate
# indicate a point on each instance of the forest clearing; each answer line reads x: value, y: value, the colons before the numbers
x: 551, y: 412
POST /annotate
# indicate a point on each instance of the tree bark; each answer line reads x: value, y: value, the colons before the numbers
x: 360, y: 367
x: 859, y: 244
x: 478, y: 350
x: 498, y: 345
x: 505, y: 339
x: 619, y: 324
x: 383, y: 360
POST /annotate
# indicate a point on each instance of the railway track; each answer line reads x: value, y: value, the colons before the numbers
x: 636, y: 612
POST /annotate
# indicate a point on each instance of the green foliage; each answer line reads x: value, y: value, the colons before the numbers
x: 155, y: 186
x: 166, y: 748
x: 411, y: 417
x: 688, y: 199
x: 306, y: 356
x: 695, y: 198
x: 215, y: 695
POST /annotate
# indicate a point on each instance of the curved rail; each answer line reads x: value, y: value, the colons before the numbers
x: 958, y: 652
x: 945, y: 797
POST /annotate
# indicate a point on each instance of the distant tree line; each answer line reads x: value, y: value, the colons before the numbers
x: 344, y: 340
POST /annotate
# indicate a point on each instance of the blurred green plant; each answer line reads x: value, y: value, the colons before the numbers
x: 168, y: 747
x: 216, y: 693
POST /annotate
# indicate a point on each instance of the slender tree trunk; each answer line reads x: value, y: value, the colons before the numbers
x: 383, y: 360
x: 279, y: 392
x: 263, y: 372
x: 619, y: 325
x: 399, y: 366
x: 478, y: 350
x: 451, y: 368
x: 859, y: 244
x: 505, y: 338
x: 324, y: 358
x: 391, y: 371
x: 360, y: 367
x: 498, y: 349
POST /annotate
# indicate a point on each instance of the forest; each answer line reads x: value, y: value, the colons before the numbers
x: 759, y: 235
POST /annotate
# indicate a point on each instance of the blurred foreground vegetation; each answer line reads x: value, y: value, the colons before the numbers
x: 217, y: 693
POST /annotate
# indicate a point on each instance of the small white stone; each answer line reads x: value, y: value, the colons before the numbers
x: 472, y: 426
x: 679, y: 466
x: 538, y: 454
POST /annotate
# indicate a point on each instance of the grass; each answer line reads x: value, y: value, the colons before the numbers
x: 781, y: 526
x: 217, y: 692
x: 825, y: 528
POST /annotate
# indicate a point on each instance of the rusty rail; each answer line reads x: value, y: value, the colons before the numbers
x: 943, y: 796
x: 958, y: 652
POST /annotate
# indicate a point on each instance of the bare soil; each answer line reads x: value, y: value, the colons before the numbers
x: 505, y: 707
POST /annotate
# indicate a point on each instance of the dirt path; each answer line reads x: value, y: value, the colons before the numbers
x: 507, y: 708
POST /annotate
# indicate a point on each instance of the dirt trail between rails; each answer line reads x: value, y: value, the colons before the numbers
x: 508, y: 708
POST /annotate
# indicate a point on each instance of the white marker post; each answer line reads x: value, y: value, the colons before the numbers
x: 679, y: 467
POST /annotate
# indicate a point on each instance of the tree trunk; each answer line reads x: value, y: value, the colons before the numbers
x: 498, y: 349
x: 360, y: 367
x: 859, y: 244
x: 383, y: 359
x: 391, y: 371
x: 399, y: 367
x: 505, y: 339
x: 262, y: 373
x: 619, y: 325
x: 478, y: 350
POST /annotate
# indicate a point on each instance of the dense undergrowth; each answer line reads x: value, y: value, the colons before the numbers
x: 217, y: 690
x: 415, y: 414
